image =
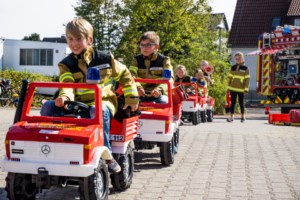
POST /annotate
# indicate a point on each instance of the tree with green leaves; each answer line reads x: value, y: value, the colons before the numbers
x: 105, y: 18
x: 187, y: 33
x: 33, y: 37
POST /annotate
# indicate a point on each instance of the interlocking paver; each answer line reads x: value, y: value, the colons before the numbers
x: 219, y: 160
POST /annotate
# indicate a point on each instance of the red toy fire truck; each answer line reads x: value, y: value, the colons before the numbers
x: 44, y: 151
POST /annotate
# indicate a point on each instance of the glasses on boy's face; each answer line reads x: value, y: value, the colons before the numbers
x: 147, y: 45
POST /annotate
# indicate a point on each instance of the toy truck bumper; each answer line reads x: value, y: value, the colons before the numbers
x: 188, y: 106
x: 151, y: 135
x: 54, y: 169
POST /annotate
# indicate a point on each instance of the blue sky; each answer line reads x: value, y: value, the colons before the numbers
x: 19, y: 18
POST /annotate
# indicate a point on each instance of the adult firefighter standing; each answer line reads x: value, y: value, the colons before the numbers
x: 238, y: 84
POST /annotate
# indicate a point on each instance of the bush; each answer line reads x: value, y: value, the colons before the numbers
x: 16, y: 77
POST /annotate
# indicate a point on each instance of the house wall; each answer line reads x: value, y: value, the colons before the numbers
x: 1, y: 53
x: 11, y: 55
x: 251, y: 62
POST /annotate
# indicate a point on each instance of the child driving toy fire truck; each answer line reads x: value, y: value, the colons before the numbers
x: 73, y: 69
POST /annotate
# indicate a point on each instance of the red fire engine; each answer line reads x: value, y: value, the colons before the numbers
x: 278, y: 74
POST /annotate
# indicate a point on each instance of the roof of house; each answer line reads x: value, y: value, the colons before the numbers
x: 61, y: 39
x: 294, y: 9
x: 253, y: 17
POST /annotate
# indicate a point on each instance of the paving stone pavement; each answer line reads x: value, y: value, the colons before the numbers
x: 219, y: 160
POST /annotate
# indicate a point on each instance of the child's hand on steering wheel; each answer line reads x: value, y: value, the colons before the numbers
x: 141, y: 92
x: 59, y: 101
x: 156, y: 93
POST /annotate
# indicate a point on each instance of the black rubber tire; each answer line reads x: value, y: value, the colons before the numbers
x: 195, y: 118
x: 167, y: 152
x: 176, y: 140
x: 95, y: 186
x: 210, y: 115
x: 203, y: 116
x: 123, y: 180
x: 199, y: 116
x: 20, y: 186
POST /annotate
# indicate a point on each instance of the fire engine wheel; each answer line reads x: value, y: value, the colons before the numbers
x: 20, y: 186
x: 167, y: 152
x: 203, y: 116
x: 210, y: 115
x: 95, y: 187
x: 123, y: 180
x: 195, y: 118
x: 176, y: 140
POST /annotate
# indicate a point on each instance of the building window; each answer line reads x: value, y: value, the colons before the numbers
x: 36, y: 57
x: 297, y: 22
x: 275, y: 23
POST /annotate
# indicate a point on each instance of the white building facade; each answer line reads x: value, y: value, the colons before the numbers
x: 32, y: 56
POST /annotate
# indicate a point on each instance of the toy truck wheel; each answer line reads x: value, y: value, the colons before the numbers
x: 95, y: 187
x: 176, y: 140
x: 195, y: 118
x: 203, y: 116
x: 210, y: 115
x: 20, y: 186
x: 123, y: 180
x: 167, y: 152
x: 199, y: 116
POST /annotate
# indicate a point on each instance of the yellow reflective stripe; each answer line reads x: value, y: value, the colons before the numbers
x: 247, y: 76
x: 106, y: 84
x: 67, y: 75
x: 238, y: 76
x: 81, y: 91
x: 130, y: 91
x: 133, y: 69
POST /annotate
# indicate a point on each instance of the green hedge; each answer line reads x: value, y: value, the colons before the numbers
x: 16, y: 77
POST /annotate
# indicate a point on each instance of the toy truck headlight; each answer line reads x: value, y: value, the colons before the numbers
x: 93, y: 75
x: 167, y: 74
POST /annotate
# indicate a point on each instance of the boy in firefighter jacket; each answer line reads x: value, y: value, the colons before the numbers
x: 238, y: 84
x: 73, y: 69
x: 150, y: 64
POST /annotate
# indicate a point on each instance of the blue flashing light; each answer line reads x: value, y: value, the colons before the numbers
x: 194, y: 79
x: 202, y: 83
x: 167, y: 74
x: 93, y: 75
x: 286, y: 30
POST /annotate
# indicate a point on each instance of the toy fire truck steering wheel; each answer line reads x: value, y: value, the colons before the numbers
x: 77, y: 107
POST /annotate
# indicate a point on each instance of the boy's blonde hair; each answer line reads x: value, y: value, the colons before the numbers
x: 80, y: 27
x: 181, y: 67
x: 150, y: 35
x: 239, y: 54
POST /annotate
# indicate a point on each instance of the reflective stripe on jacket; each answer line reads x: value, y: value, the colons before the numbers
x: 151, y: 68
x: 239, y: 78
